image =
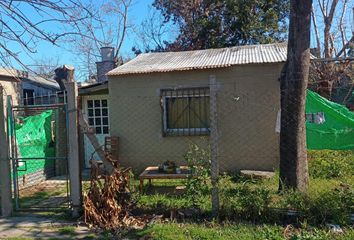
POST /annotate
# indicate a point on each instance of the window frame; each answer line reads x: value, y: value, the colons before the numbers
x: 93, y: 108
x: 193, y: 131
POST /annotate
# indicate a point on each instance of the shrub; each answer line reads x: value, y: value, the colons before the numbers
x: 242, y: 200
x: 198, y: 183
x: 254, y: 202
x: 332, y: 206
x: 330, y: 164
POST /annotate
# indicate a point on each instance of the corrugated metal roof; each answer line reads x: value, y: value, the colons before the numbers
x: 42, y: 82
x: 24, y: 76
x: 203, y: 59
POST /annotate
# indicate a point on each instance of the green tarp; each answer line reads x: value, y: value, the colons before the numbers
x: 34, y: 140
x: 328, y: 125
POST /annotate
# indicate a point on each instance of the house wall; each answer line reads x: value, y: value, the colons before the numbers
x: 248, y: 102
x: 13, y: 88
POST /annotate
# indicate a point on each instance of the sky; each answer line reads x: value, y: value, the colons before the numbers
x: 137, y: 13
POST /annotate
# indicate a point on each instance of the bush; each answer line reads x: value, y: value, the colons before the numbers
x: 198, y: 183
x: 330, y: 164
x: 242, y: 200
x: 331, y: 206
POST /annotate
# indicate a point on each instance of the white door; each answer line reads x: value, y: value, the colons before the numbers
x: 96, y: 113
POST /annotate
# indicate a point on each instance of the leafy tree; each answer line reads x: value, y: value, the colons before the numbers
x: 221, y: 23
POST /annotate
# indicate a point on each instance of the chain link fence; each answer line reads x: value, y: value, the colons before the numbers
x: 240, y: 128
x: 38, y: 139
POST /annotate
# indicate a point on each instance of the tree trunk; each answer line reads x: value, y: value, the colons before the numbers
x: 294, y: 79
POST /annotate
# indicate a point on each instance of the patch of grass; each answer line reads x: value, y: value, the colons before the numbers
x: 67, y: 230
x: 39, y: 196
x: 241, y: 231
x: 327, y: 200
x: 330, y: 164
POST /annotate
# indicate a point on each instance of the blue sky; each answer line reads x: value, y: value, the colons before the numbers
x: 137, y: 13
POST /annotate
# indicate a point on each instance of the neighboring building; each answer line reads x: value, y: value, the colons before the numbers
x: 94, y: 103
x: 27, y: 89
x: 37, y: 90
x: 152, y: 96
x: 10, y: 80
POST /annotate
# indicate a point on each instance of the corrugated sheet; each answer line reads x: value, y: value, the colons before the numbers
x: 43, y: 82
x: 203, y: 59
x: 19, y: 75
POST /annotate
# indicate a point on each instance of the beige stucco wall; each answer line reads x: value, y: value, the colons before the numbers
x: 11, y: 87
x: 248, y: 101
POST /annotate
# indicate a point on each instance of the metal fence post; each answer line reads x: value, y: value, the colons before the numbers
x: 214, y: 146
x: 5, y: 169
x: 73, y: 148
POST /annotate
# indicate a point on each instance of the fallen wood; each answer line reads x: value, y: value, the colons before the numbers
x: 108, y: 203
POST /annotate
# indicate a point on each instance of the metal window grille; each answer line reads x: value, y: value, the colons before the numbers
x: 185, y: 111
x: 97, y: 111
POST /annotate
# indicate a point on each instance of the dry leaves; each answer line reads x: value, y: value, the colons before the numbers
x: 108, y: 203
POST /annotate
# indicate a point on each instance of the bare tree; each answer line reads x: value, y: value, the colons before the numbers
x: 332, y: 27
x: 109, y: 27
x: 334, y: 32
x: 20, y: 29
x: 293, y: 153
x: 45, y: 66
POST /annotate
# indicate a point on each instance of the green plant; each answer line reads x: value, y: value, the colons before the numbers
x: 254, y: 202
x: 243, y: 200
x: 332, y: 206
x: 294, y: 200
x: 330, y: 164
x: 198, y: 182
x: 326, y: 206
x: 67, y: 230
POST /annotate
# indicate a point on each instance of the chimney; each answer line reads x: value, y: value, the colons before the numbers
x: 107, y: 63
x: 64, y: 74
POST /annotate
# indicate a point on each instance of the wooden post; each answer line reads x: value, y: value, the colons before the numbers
x: 73, y: 148
x: 214, y: 146
x: 5, y: 169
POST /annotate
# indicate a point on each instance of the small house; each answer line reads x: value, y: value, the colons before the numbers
x: 160, y: 104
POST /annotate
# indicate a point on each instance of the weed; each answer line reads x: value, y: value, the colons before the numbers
x: 330, y: 164
x: 67, y: 230
x: 198, y: 183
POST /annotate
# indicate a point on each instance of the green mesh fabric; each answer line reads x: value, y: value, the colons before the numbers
x: 336, y: 132
x: 34, y: 139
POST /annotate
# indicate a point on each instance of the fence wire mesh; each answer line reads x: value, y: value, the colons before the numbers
x: 39, y: 155
x: 160, y: 127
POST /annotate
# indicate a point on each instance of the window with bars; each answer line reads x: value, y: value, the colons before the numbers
x: 97, y: 112
x: 186, y: 111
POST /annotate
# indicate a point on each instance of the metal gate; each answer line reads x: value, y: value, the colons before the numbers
x: 38, y: 153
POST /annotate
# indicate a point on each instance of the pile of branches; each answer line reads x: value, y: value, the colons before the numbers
x: 108, y: 203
